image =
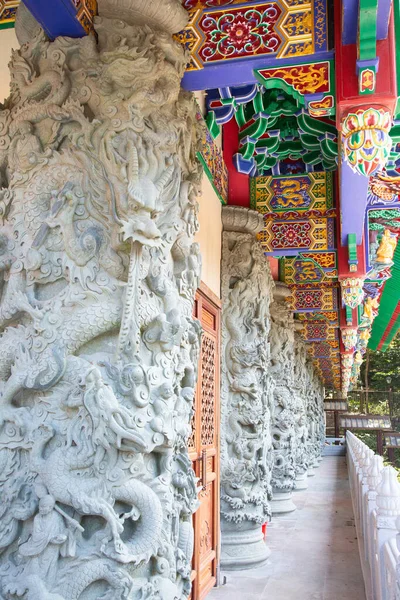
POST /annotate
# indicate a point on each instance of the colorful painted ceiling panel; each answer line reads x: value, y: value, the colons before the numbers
x: 310, y: 267
x: 331, y: 317
x: 318, y: 331
x: 290, y: 196
x: 221, y: 31
x: 8, y: 9
x: 314, y: 299
x: 278, y: 135
x: 312, y: 83
x: 324, y: 349
x: 213, y: 162
x: 286, y: 237
x: 299, y: 215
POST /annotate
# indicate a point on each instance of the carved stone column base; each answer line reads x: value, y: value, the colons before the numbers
x: 243, y: 548
x: 282, y: 502
x: 311, y: 471
x: 301, y: 482
x: 315, y: 464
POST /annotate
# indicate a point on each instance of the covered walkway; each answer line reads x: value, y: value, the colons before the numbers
x: 314, y: 550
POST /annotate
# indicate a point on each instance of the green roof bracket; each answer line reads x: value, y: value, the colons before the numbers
x: 352, y: 248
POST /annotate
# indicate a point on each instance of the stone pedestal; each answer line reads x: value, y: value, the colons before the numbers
x: 282, y: 503
x: 243, y: 547
x: 310, y: 472
x: 301, y: 482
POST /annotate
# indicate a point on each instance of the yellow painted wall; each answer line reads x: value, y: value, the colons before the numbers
x: 8, y: 41
x: 209, y: 236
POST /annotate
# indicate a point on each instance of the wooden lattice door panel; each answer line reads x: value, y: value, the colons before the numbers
x: 204, y: 447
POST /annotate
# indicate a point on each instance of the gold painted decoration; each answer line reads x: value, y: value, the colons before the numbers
x: 227, y: 32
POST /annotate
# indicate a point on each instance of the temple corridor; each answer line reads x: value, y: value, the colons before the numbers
x: 314, y: 551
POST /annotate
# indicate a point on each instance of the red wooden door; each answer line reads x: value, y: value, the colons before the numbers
x: 204, y: 448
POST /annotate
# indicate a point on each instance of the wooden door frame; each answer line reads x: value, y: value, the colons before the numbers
x: 207, y: 299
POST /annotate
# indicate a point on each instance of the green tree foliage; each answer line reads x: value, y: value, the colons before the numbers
x: 383, y: 365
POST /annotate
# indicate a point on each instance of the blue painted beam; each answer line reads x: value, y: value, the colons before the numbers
x: 353, y: 202
x: 382, y: 26
x: 57, y: 17
x: 350, y: 18
x: 231, y: 73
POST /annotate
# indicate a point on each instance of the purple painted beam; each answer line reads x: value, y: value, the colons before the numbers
x: 239, y: 72
x: 350, y: 21
x: 57, y: 19
x: 353, y: 202
x: 382, y: 26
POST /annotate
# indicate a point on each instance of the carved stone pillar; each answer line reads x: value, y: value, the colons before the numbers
x: 285, y: 409
x: 98, y: 350
x: 315, y: 415
x: 246, y: 391
x: 301, y: 391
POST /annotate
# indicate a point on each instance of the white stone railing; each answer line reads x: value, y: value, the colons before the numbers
x: 375, y: 492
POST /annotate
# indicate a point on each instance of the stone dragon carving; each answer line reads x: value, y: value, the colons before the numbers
x: 285, y: 404
x: 98, y: 347
x: 301, y: 391
x: 246, y: 388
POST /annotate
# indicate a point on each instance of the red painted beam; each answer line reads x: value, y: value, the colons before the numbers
x: 239, y: 184
x: 346, y: 73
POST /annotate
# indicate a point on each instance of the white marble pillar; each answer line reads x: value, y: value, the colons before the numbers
x: 98, y: 350
x: 284, y: 409
x: 246, y: 391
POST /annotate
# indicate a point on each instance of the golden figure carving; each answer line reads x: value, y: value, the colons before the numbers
x: 370, y: 306
x: 384, y: 254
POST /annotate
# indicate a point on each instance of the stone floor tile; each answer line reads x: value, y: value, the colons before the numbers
x: 314, y: 550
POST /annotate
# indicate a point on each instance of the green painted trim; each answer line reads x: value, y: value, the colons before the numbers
x: 367, y: 21
x: 276, y: 83
x: 212, y: 125
x: 388, y: 304
x: 210, y: 177
x: 7, y: 25
x: 352, y: 246
x: 349, y: 315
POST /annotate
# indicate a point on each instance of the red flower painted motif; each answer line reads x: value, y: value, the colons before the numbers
x: 291, y: 235
x: 239, y: 33
x: 235, y: 33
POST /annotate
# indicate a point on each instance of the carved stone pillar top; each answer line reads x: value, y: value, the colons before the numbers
x: 281, y: 291
x: 298, y: 326
x: 241, y: 219
x: 167, y: 15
